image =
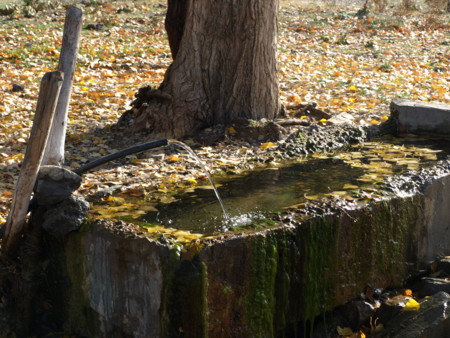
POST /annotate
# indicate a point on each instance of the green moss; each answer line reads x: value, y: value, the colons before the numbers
x: 286, y: 286
x: 319, y: 247
x: 184, y: 305
x: 80, y: 314
x: 260, y: 300
x: 169, y: 263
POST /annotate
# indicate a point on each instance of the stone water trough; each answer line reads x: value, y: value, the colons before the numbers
x: 112, y: 280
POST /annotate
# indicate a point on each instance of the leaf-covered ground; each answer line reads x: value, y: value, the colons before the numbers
x: 327, y: 55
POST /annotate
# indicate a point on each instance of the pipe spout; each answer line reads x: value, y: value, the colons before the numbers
x: 128, y: 151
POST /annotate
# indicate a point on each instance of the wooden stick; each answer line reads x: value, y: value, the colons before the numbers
x: 45, y: 110
x: 54, y: 152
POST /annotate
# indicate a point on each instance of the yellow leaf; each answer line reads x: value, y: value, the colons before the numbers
x: 115, y: 199
x: 411, y: 305
x: 173, y: 158
x: 352, y: 88
x: 384, y: 118
x: 84, y: 89
x: 232, y: 131
x: 7, y: 193
x: 303, y: 117
x: 192, y: 180
x: 323, y: 121
x: 155, y: 229
x: 374, y: 122
x: 267, y: 145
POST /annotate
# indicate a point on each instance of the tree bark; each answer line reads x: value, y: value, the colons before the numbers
x: 224, y: 68
x: 54, y: 152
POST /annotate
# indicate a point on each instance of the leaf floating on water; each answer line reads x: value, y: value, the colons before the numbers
x: 115, y: 199
x: 320, y: 156
x: 267, y: 145
x: 350, y: 186
x: 155, y: 229
x: 312, y: 197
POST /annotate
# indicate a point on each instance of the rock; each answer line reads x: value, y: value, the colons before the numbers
x: 66, y: 216
x: 54, y: 184
x: 342, y: 118
x: 355, y: 313
x: 95, y: 26
x: 16, y: 87
x: 256, y: 131
x: 429, y: 286
x: 431, y: 320
x: 314, y: 138
x: 420, y: 117
x: 443, y: 266
x: 391, y: 308
x: 7, y: 10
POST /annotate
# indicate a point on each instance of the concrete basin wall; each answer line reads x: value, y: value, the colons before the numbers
x: 260, y: 284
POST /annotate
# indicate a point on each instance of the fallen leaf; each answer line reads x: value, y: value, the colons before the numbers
x: 267, y: 145
x: 411, y: 305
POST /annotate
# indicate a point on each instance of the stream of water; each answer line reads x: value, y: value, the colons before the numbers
x: 189, y: 150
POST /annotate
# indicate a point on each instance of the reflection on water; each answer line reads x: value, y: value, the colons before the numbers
x: 263, y: 190
x: 354, y: 175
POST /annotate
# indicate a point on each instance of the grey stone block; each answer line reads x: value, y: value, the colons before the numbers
x: 418, y: 117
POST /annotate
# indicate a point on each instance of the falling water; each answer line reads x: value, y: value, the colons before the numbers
x: 205, y: 169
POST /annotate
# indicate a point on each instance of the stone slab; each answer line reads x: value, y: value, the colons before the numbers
x: 418, y: 117
x: 262, y: 283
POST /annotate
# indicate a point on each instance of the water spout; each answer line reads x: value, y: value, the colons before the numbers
x: 206, y: 171
x: 128, y: 151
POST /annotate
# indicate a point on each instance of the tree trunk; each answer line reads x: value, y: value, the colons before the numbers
x: 224, y: 68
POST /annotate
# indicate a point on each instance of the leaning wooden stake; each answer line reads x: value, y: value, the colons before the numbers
x: 54, y: 152
x: 45, y: 110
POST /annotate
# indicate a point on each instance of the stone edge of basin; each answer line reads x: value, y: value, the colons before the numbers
x: 418, y: 117
x: 432, y: 183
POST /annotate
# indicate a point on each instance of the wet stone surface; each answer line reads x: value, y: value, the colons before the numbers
x: 421, y: 312
x: 431, y: 320
x: 314, y: 138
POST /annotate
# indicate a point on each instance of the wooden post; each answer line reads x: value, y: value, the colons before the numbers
x: 45, y: 110
x: 54, y: 152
